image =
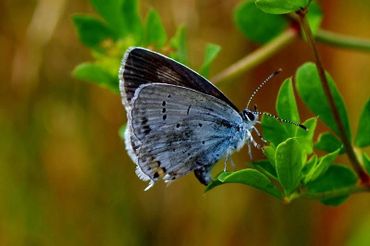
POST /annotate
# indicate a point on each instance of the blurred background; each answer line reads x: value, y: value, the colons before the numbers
x: 65, y: 177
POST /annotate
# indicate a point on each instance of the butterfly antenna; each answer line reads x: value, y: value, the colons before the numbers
x: 284, y: 120
x: 262, y: 84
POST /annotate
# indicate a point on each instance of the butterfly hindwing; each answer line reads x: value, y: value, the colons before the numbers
x: 179, y: 129
x: 141, y: 66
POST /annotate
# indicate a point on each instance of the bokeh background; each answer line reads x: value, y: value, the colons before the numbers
x: 65, y: 178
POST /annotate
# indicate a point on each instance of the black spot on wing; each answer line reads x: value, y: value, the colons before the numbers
x: 146, y: 129
x: 188, y: 111
x: 144, y: 125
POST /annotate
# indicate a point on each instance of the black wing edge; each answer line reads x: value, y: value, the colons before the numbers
x: 142, y: 66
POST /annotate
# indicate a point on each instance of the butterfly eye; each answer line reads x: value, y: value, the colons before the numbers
x: 249, y: 115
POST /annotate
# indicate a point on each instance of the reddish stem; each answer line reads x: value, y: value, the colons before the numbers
x: 364, y: 177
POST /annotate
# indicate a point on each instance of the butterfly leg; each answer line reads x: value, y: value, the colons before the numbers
x: 250, y: 151
x: 259, y: 135
x: 202, y: 173
x: 255, y: 144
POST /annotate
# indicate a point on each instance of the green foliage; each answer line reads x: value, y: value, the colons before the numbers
x: 210, y: 54
x: 250, y: 177
x: 155, y: 34
x: 314, y: 16
x: 131, y: 19
x: 329, y: 143
x: 246, y: 15
x: 273, y: 130
x: 120, y: 28
x: 363, y: 130
x: 270, y: 25
x: 121, y: 16
x: 306, y: 137
x: 95, y: 74
x: 320, y: 166
x: 266, y: 167
x: 286, y: 105
x: 311, y: 91
x: 281, y: 6
x: 98, y: 31
x: 289, y: 159
x: 178, y: 43
x: 336, y: 178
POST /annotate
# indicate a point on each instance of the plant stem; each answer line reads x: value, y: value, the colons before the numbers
x: 342, y: 41
x: 256, y: 57
x: 347, y: 143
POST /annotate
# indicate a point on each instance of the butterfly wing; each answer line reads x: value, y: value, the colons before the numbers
x: 141, y: 66
x: 177, y: 130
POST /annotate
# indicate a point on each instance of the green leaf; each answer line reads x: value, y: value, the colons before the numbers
x: 311, y: 163
x: 336, y: 178
x: 366, y: 160
x: 210, y: 54
x: 265, y: 167
x: 305, y: 138
x: 155, y: 33
x: 314, y: 16
x: 273, y: 130
x: 269, y: 152
x: 121, y: 15
x: 286, y: 106
x: 96, y: 74
x: 246, y: 15
x: 249, y: 177
x: 321, y: 166
x: 91, y: 31
x: 289, y: 160
x: 280, y: 6
x: 110, y: 10
x: 178, y: 43
x: 121, y: 131
x: 310, y: 90
x: 329, y: 143
x: 131, y: 18
x: 363, y: 130
x: 336, y: 201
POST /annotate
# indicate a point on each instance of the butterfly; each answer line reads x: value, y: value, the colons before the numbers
x: 178, y: 121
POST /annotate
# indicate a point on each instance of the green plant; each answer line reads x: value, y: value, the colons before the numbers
x: 292, y: 168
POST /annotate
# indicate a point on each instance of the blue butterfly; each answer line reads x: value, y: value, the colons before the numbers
x: 178, y: 121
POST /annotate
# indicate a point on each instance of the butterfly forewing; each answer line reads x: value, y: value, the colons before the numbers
x: 179, y: 129
x: 141, y: 66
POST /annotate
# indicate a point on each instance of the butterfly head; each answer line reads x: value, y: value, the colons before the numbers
x: 250, y: 116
